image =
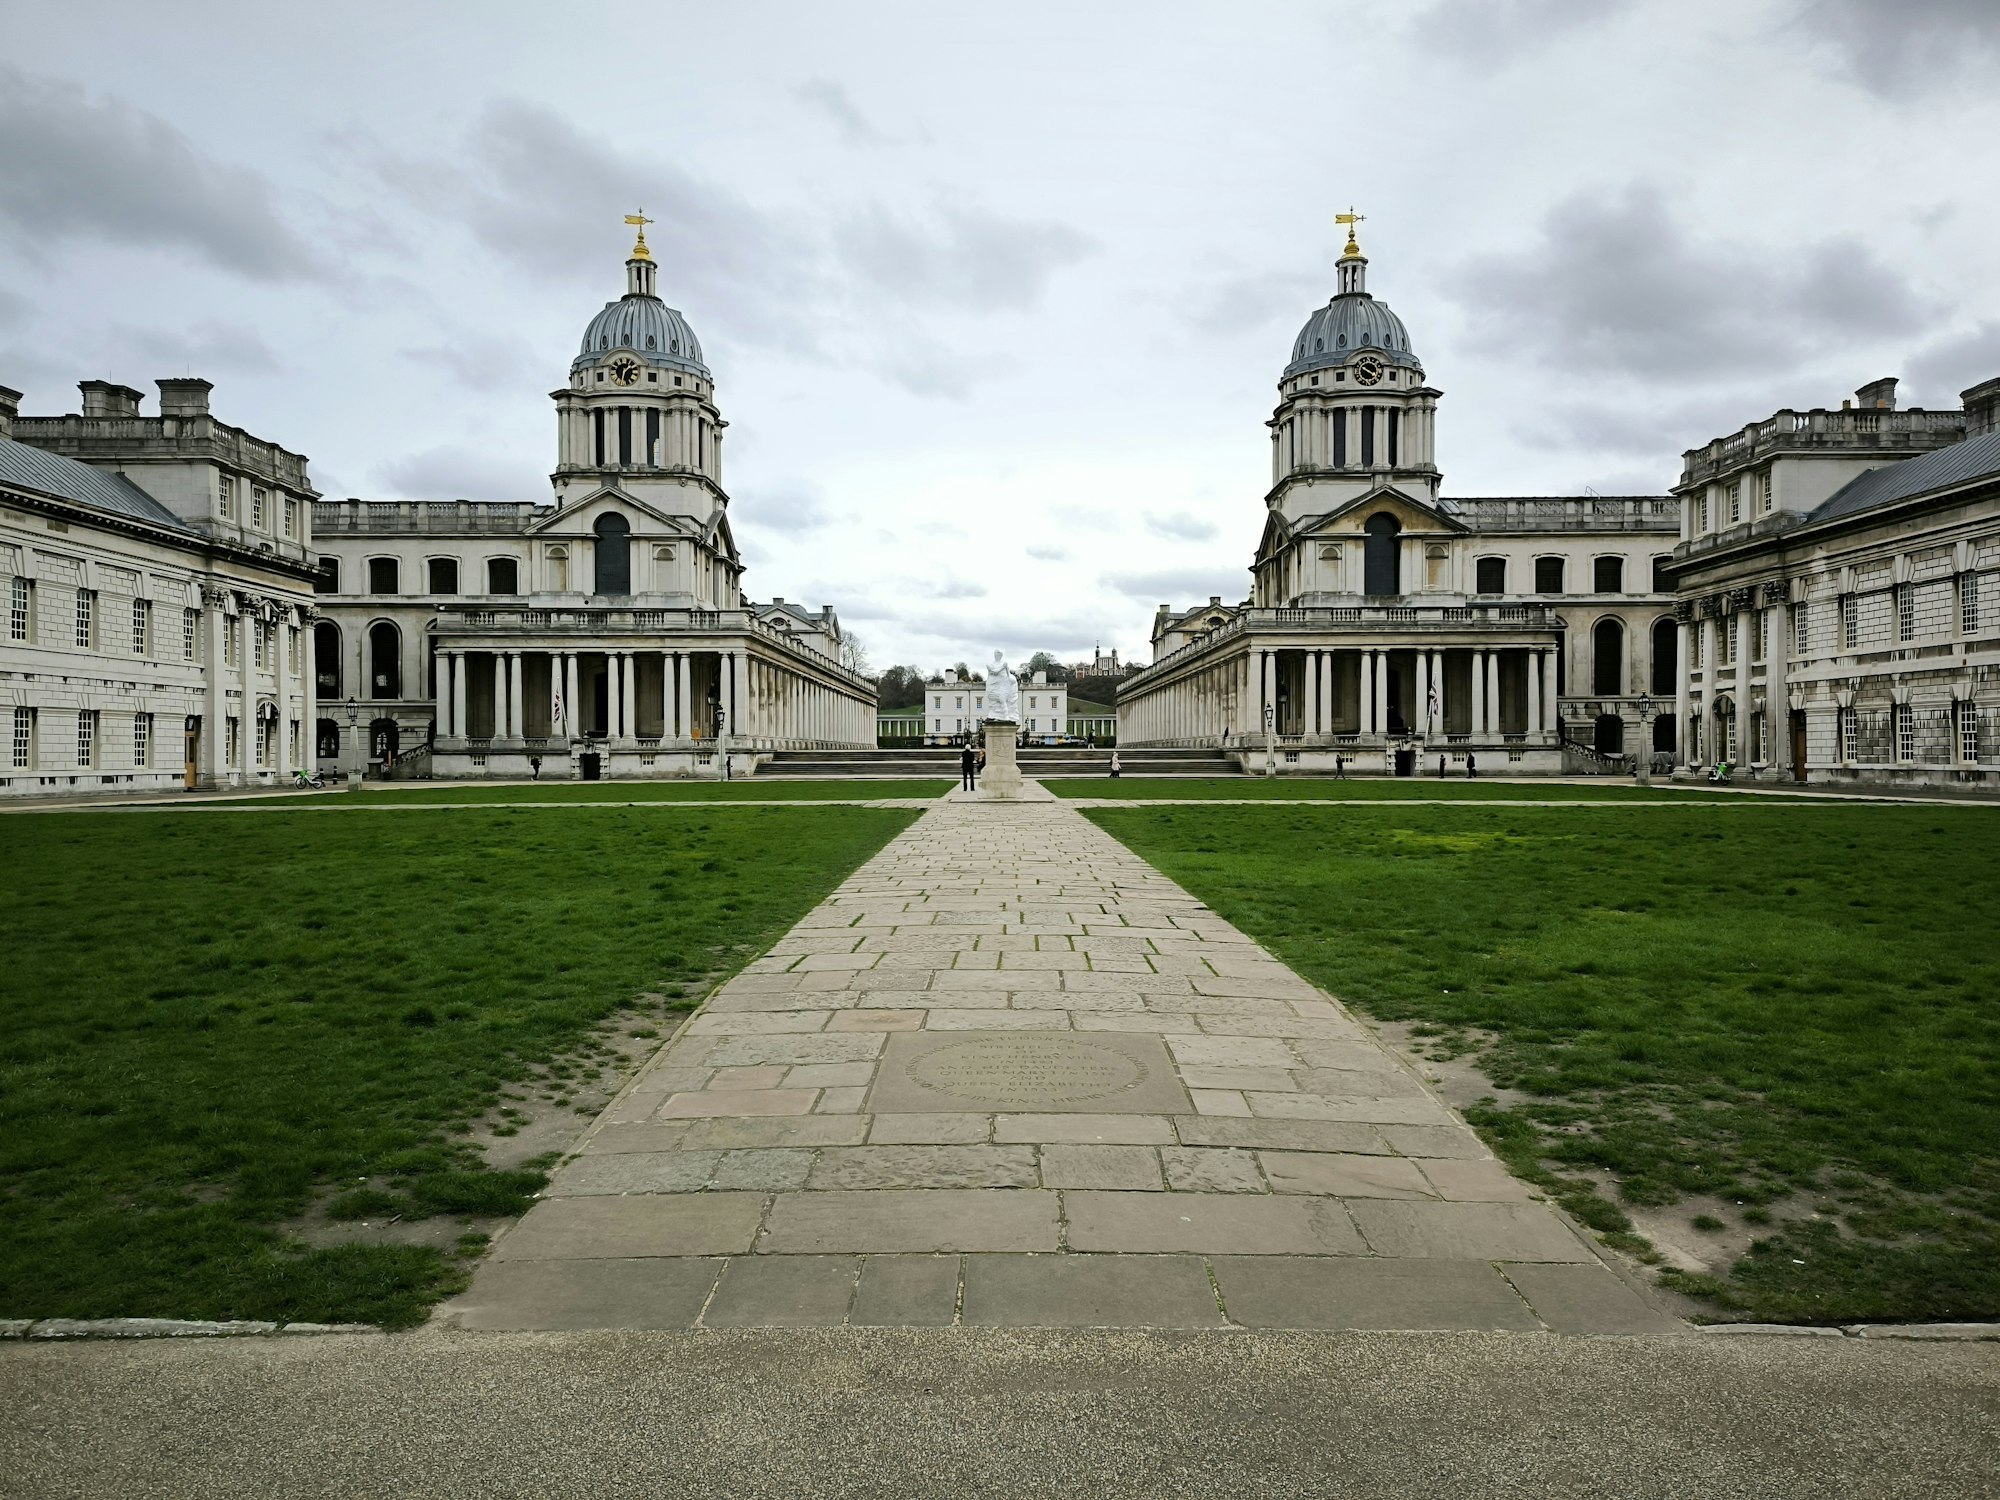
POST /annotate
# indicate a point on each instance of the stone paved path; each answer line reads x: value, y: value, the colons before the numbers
x: 1009, y: 1074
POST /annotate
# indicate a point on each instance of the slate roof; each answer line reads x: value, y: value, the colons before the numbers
x: 1975, y: 458
x: 67, y: 479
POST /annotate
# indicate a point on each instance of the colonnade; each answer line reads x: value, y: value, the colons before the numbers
x: 668, y: 695
x: 1233, y: 696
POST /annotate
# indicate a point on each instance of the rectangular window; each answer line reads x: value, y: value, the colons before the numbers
x: 142, y: 740
x: 292, y: 634
x: 259, y: 498
x: 1906, y: 733
x: 86, y: 738
x: 1847, y: 736
x: 444, y: 575
x: 1757, y: 753
x: 142, y: 626
x: 1764, y: 493
x: 1850, y: 621
x: 21, y: 611
x: 1728, y: 641
x: 225, y: 497
x: 1729, y: 739
x: 232, y: 637
x: 1548, y: 575
x: 1734, y: 495
x: 86, y: 618
x: 624, y: 434
x: 1801, y: 630
x: 1340, y: 439
x: 1367, y: 437
x: 1395, y: 436
x: 381, y: 575
x: 1760, y: 623
x: 24, y: 739
x: 293, y: 742
x: 1968, y: 732
x: 1906, y: 612
x: 291, y: 516
x: 1701, y: 510
x: 1608, y: 575
x: 232, y: 741
x: 190, y: 635
x: 653, y: 454
x: 1695, y: 638
x: 328, y: 581
x: 503, y: 576
x: 1968, y: 604
x: 264, y: 737
x: 262, y: 636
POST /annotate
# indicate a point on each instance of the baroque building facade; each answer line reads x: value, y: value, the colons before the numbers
x: 606, y: 634
x: 1393, y: 627
x: 1839, y: 577
x: 160, y: 598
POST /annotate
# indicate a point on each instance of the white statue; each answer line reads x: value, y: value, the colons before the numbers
x: 1003, y: 693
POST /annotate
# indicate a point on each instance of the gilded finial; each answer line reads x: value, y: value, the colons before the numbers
x: 1350, y: 219
x: 639, y: 250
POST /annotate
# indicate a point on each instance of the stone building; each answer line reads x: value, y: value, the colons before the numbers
x: 1839, y: 572
x: 1390, y: 625
x: 604, y: 634
x: 958, y: 707
x: 160, y: 597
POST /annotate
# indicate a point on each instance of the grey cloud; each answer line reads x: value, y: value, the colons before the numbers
x: 78, y: 167
x: 1940, y: 372
x: 1496, y: 32
x: 830, y: 100
x: 948, y: 588
x: 204, y: 348
x: 966, y: 258
x: 1653, y: 429
x: 1901, y: 52
x: 1048, y: 554
x: 1179, y: 587
x: 1616, y: 285
x: 1233, y: 304
x: 481, y: 363
x: 793, y: 507
x: 450, y: 472
x: 13, y: 309
x: 1182, y: 527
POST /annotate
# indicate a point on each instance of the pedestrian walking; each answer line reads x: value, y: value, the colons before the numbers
x: 1471, y: 765
x: 535, y: 765
x: 1340, y: 768
x: 968, y: 769
x: 1115, y: 767
x: 1440, y: 768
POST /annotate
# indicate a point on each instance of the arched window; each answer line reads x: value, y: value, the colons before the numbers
x: 326, y: 659
x: 326, y: 740
x: 503, y: 575
x: 1607, y: 651
x: 1491, y: 575
x: 1666, y: 665
x: 614, y: 554
x: 385, y: 661
x: 1381, y: 573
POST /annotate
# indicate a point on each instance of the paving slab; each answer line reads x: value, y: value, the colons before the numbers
x: 916, y: 1219
x: 655, y: 1292
x: 906, y: 1291
x: 1589, y: 1299
x: 789, y: 1291
x: 1465, y: 1231
x: 1209, y: 1224
x: 865, y: 1167
x: 1089, y: 1291
x: 1290, y: 1292
x: 652, y: 1224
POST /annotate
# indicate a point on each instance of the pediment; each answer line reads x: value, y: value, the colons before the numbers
x: 1412, y: 515
x: 646, y: 520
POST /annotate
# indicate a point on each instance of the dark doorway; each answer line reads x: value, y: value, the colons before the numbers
x: 1798, y: 745
x: 191, y: 751
x: 1406, y: 762
x: 1609, y: 735
x: 588, y: 765
x: 1381, y: 573
x: 614, y: 554
x: 385, y: 661
x: 326, y: 740
x: 1663, y: 733
x: 385, y: 742
x: 326, y: 659
x: 1666, y: 658
x: 1607, y: 658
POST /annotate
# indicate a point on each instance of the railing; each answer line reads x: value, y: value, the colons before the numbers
x: 388, y: 516
x: 1822, y: 429
x: 1355, y: 617
x: 1562, y: 513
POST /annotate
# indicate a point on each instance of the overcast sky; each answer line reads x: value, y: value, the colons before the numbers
x: 997, y: 299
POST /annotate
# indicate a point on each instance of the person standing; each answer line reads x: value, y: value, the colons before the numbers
x: 968, y: 769
x: 1340, y: 768
x: 1471, y: 765
x: 535, y: 765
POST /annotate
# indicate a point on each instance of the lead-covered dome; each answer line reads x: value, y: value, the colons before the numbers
x: 1350, y: 323
x: 645, y: 326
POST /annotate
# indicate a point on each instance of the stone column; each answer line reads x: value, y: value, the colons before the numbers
x: 1778, y: 686
x: 683, y: 662
x: 1711, y: 671
x: 735, y: 692
x: 628, y: 696
x: 281, y: 692
x: 517, y: 718
x: 612, y: 707
x: 309, y: 693
x: 572, y: 707
x: 1367, y: 692
x: 459, y: 722
x: 1535, y: 692
x: 246, y: 663
x: 1746, y: 623
x: 1420, y: 711
x: 1382, y: 691
x: 1552, y: 719
x: 215, y: 698
x: 1267, y: 690
x: 1478, y: 692
x: 1494, y: 719
x: 1683, y: 694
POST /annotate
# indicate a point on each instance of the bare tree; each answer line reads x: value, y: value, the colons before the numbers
x: 853, y: 652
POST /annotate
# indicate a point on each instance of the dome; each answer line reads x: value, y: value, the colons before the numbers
x: 647, y: 327
x: 1350, y: 323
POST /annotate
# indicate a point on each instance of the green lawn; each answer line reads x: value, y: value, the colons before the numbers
x: 1791, y: 1012
x: 207, y: 1023
x: 753, y: 790
x: 1366, y: 789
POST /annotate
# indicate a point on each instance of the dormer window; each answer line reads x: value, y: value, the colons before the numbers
x: 651, y: 342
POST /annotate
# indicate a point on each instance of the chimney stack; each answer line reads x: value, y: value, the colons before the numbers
x: 184, y: 398
x: 10, y: 408
x: 103, y: 399
x: 1877, y: 395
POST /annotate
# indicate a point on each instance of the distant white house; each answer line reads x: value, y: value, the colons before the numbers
x: 953, y: 707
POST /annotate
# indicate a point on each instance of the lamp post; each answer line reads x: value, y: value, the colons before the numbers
x: 1645, y: 757
x: 357, y: 759
x: 1270, y: 740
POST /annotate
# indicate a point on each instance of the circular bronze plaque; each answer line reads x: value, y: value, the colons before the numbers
x: 1027, y: 1070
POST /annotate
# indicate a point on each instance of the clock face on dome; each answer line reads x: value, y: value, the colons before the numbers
x: 1368, y: 369
x: 624, y: 369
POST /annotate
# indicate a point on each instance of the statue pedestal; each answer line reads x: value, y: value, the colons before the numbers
x: 1002, y: 781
